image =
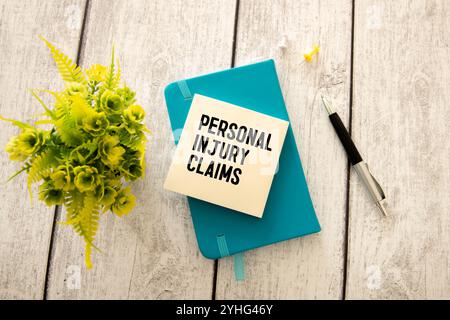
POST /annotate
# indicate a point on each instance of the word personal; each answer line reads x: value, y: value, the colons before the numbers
x: 232, y: 131
x: 224, y: 141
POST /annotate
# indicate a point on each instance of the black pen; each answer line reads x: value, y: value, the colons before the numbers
x: 355, y: 158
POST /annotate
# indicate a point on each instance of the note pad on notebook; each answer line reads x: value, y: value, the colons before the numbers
x: 288, y: 211
x: 227, y: 155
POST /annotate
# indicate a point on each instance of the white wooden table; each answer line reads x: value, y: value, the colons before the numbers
x: 386, y: 64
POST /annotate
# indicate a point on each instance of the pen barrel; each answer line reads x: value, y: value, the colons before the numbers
x: 346, y: 140
x: 369, y: 181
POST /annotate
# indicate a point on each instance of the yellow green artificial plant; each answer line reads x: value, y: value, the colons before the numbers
x: 96, y: 145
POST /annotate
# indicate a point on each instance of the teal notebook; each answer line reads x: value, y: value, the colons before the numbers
x: 289, y: 212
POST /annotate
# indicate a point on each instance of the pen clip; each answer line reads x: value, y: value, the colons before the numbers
x: 377, y: 185
x: 372, y: 185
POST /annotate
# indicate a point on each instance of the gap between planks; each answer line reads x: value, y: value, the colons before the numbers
x: 232, y: 64
x: 57, y: 213
x: 349, y: 166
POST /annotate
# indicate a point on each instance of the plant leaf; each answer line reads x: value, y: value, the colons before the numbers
x: 113, y: 77
x: 68, y: 70
x: 25, y: 168
x: 17, y: 123
x: 66, y: 124
x: 83, y: 213
x: 48, y: 112
x: 40, y: 167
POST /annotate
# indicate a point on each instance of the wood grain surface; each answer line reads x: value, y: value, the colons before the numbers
x: 309, y: 267
x: 385, y: 64
x: 151, y: 253
x: 401, y: 118
x: 25, y: 63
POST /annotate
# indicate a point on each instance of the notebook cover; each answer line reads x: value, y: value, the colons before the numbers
x: 289, y: 212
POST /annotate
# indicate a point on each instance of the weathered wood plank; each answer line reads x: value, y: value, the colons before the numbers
x: 153, y: 252
x: 401, y: 120
x: 311, y: 267
x: 25, y: 63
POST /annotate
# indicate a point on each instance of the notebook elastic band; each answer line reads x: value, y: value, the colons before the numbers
x: 238, y: 258
x: 182, y: 84
x: 239, y: 266
x: 222, y: 244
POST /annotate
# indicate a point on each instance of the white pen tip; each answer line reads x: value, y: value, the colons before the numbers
x: 382, y: 208
x: 327, y: 105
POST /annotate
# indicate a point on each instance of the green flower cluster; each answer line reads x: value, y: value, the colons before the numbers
x: 95, y: 146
